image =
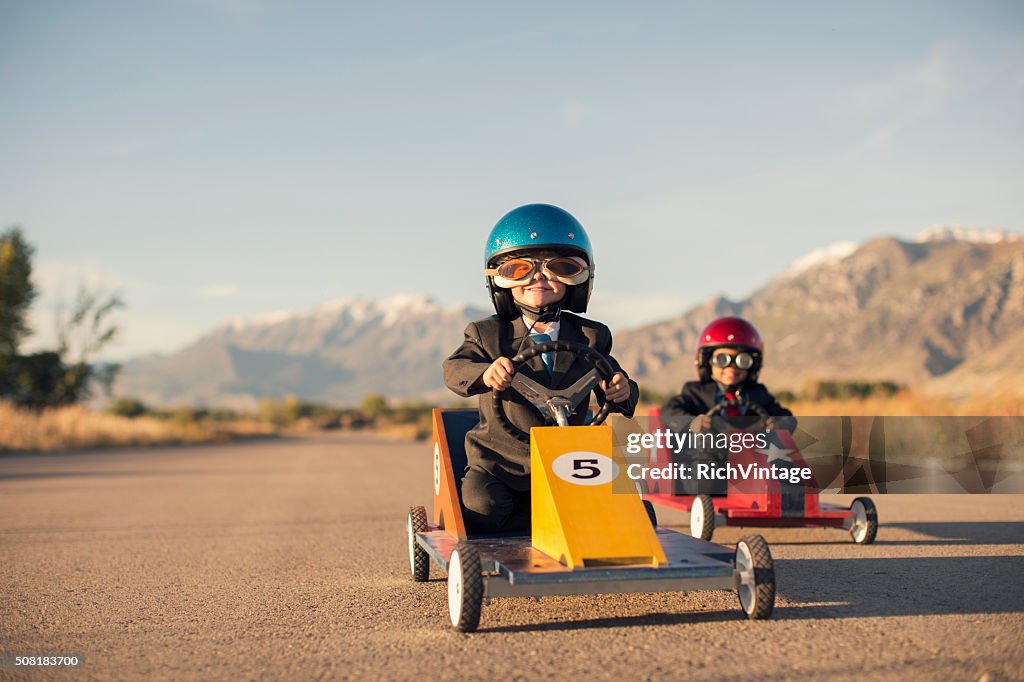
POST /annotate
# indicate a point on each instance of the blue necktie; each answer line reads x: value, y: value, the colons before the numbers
x: 548, y: 358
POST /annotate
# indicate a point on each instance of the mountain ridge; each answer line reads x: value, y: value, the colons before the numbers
x: 930, y: 313
x: 335, y: 352
x: 908, y: 312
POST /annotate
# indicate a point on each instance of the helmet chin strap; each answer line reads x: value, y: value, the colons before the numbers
x: 547, y: 313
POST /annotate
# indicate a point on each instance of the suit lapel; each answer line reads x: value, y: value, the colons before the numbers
x: 520, y: 341
x: 709, y: 390
x: 569, y: 332
x: 516, y: 337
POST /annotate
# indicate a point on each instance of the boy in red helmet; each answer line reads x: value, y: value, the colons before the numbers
x: 729, y: 357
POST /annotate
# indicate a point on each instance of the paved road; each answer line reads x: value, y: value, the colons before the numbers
x: 287, y: 557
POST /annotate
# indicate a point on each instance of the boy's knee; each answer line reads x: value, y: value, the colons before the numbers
x: 486, y: 501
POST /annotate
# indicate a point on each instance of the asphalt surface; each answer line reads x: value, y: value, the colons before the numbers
x: 288, y: 558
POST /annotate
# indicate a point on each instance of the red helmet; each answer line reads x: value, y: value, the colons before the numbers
x: 734, y: 332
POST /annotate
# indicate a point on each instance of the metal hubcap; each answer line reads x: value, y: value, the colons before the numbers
x: 859, y: 530
x: 747, y: 587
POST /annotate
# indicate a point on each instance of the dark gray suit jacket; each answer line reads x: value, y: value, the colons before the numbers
x: 697, y: 397
x: 487, y: 444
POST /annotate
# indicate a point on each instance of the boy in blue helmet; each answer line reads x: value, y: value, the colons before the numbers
x: 539, y: 270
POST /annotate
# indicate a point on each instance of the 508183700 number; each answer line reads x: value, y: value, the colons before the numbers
x: 8, y: 661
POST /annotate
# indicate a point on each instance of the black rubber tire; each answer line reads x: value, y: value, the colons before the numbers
x: 471, y: 580
x: 763, y: 593
x: 871, y: 512
x: 707, y: 528
x: 651, y: 514
x: 419, y: 561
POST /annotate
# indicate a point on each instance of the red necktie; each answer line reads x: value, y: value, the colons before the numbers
x: 732, y: 410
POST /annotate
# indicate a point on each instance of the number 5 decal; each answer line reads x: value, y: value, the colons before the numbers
x: 587, y: 465
x: 585, y: 468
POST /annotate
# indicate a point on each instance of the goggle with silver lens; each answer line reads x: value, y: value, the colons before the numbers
x: 742, y: 361
x: 519, y: 271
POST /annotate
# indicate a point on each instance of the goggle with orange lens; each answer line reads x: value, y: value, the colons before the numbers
x: 519, y: 271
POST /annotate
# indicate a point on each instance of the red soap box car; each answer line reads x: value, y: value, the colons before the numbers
x: 758, y: 502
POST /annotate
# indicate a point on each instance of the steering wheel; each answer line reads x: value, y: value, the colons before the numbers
x: 742, y: 402
x: 555, y: 406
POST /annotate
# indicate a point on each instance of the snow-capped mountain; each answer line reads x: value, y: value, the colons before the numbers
x: 820, y: 257
x: 337, y: 352
x: 944, y: 311
x: 973, y: 235
x: 930, y: 313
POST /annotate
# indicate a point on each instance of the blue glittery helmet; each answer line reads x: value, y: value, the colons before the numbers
x: 538, y: 226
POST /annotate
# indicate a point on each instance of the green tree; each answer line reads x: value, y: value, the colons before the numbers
x: 82, y: 332
x: 16, y: 291
x: 41, y: 380
x: 86, y: 328
x: 57, y: 377
x: 128, y: 407
x: 374, y: 405
x: 283, y: 413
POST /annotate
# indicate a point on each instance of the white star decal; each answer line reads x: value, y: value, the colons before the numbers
x: 774, y: 452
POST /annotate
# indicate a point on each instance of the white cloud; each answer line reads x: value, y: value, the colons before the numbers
x: 947, y: 73
x: 56, y: 278
x: 907, y: 97
x: 218, y: 290
x: 923, y: 84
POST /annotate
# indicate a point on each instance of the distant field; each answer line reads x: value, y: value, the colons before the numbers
x: 906, y: 404
x: 75, y: 427
x: 902, y: 404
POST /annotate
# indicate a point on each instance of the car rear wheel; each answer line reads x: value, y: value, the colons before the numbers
x: 865, y: 521
x: 702, y: 517
x: 419, y: 562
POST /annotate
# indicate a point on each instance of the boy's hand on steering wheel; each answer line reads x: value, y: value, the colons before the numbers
x: 701, y: 423
x: 616, y: 390
x: 498, y: 375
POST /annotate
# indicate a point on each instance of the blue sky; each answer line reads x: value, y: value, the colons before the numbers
x: 217, y: 158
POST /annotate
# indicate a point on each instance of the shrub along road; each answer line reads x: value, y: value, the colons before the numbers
x: 288, y: 557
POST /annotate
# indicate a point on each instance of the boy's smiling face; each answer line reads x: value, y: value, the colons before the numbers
x: 731, y: 375
x: 539, y: 291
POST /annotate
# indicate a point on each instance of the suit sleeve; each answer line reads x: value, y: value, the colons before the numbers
x: 629, y: 407
x: 680, y: 410
x: 467, y: 364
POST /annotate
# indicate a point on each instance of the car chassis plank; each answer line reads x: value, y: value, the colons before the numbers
x: 512, y: 567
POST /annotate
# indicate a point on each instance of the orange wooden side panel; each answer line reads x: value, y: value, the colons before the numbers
x: 447, y: 510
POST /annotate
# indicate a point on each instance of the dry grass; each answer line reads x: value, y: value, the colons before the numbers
x: 74, y: 427
x: 907, y: 404
x: 403, y: 431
